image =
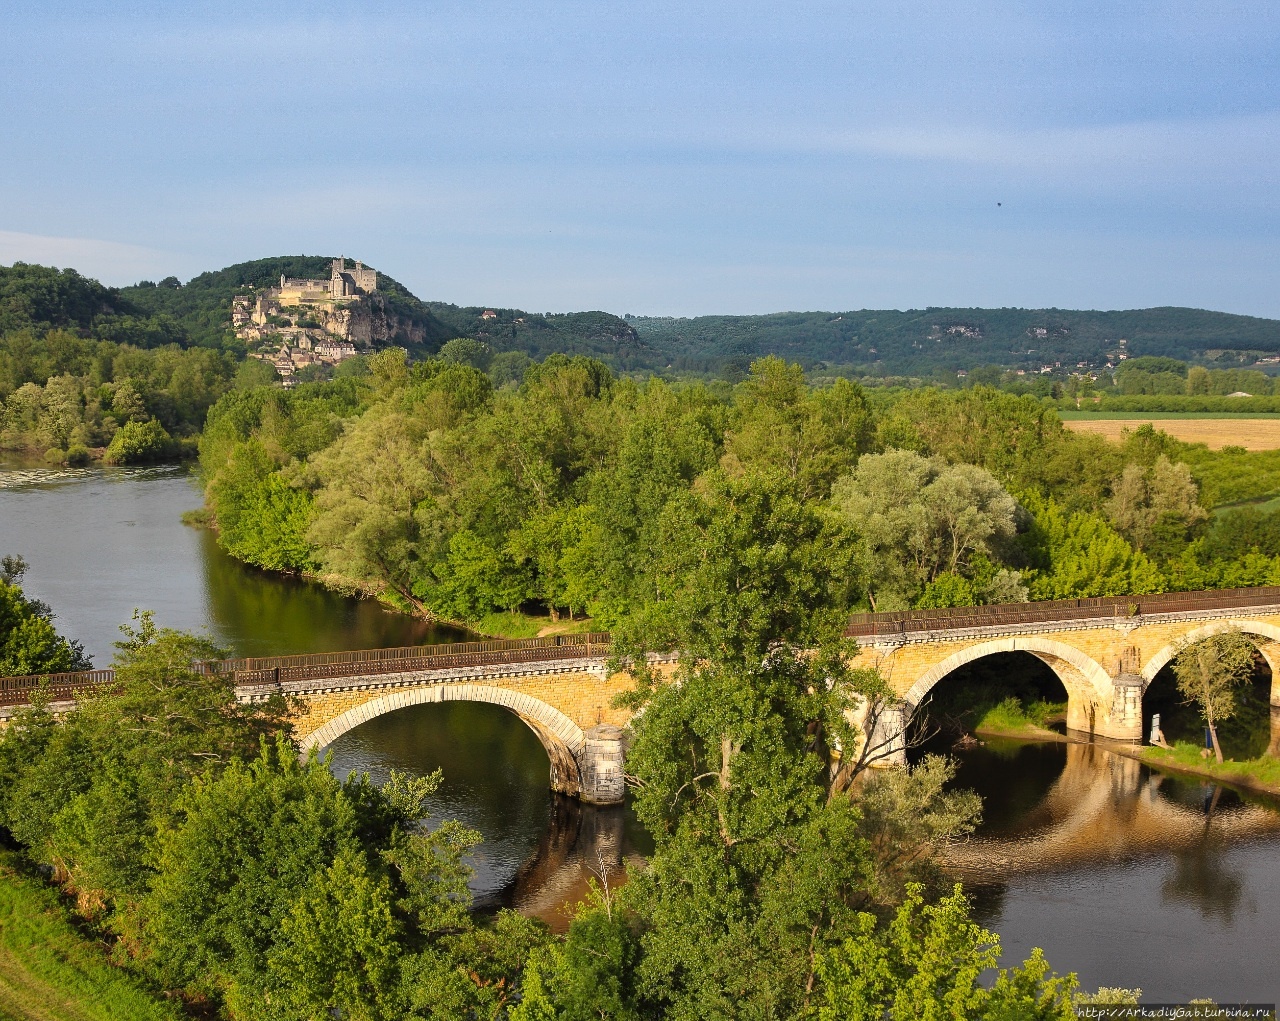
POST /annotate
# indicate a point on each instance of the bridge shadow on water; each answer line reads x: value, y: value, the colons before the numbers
x: 540, y: 849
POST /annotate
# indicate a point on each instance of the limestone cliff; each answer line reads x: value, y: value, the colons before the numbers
x: 368, y: 322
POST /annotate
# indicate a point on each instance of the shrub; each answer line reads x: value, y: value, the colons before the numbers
x: 138, y: 442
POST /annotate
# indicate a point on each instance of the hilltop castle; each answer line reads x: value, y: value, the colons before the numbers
x: 306, y: 322
x: 343, y: 283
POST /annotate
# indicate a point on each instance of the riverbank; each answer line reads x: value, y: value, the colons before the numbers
x: 1026, y: 732
x: 505, y: 624
x: 1261, y: 774
x: 50, y: 971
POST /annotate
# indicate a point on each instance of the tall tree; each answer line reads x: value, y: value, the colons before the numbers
x: 1210, y: 673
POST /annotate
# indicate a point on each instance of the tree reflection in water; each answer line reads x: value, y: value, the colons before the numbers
x: 1201, y: 879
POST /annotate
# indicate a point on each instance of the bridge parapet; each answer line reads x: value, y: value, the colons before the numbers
x: 268, y: 673
x: 1056, y: 614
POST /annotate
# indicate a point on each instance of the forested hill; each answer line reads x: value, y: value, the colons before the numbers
x: 198, y: 313
x: 921, y: 342
x: 873, y: 343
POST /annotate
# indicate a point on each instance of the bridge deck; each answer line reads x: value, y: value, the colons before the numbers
x: 874, y: 625
x: 369, y: 662
x: 357, y: 663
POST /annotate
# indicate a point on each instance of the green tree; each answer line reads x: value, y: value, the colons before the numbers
x: 277, y: 884
x: 262, y: 519
x: 925, y: 966
x: 761, y: 854
x: 88, y: 795
x: 588, y: 976
x: 1079, y: 555
x: 465, y: 351
x: 339, y: 949
x: 29, y: 643
x: 1209, y: 674
x: 139, y: 442
x: 811, y: 435
x: 920, y: 518
x: 1156, y: 508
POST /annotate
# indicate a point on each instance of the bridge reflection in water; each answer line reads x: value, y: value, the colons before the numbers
x: 1102, y: 808
x: 1124, y: 875
x: 582, y: 843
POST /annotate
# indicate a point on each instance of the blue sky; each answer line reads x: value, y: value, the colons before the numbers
x: 661, y: 158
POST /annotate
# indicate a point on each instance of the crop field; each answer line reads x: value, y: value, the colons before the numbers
x: 1252, y: 433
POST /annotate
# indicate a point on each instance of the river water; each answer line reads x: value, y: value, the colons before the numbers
x: 1126, y: 876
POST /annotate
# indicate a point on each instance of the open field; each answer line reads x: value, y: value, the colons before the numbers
x: 1071, y: 415
x: 1251, y: 432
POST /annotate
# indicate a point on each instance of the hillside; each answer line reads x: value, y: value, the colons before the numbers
x: 922, y: 342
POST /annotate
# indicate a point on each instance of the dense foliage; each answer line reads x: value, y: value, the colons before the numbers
x: 577, y: 493
x: 255, y: 884
x: 29, y: 643
x: 67, y: 395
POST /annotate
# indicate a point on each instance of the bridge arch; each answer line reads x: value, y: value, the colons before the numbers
x: 1081, y: 675
x: 563, y: 739
x: 1269, y: 647
x: 1090, y: 689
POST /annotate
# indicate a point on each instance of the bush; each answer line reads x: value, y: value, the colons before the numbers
x: 139, y: 442
x: 77, y: 455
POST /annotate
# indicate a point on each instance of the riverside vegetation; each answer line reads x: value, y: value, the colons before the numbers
x: 226, y: 876
x: 576, y: 493
x: 738, y: 524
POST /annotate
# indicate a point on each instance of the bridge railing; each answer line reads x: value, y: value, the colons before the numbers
x: 870, y: 625
x: 15, y: 690
x: 270, y: 670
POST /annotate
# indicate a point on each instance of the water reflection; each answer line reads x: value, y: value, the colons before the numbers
x: 1123, y: 874
x: 264, y: 614
x: 102, y: 541
x: 1200, y: 880
x: 539, y: 850
x: 1095, y: 806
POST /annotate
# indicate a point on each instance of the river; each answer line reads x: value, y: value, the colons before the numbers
x: 1122, y: 874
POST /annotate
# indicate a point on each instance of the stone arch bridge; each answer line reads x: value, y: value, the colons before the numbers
x: 1105, y: 651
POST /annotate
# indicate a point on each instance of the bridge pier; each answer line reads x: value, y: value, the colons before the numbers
x: 599, y: 761
x: 1123, y: 719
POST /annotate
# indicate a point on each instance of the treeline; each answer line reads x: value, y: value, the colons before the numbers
x: 939, y: 341
x: 73, y: 398
x: 576, y: 493
x: 42, y: 298
x: 235, y: 878
x: 1168, y: 376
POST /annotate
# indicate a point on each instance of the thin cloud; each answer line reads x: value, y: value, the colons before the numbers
x: 109, y: 261
x: 1176, y: 148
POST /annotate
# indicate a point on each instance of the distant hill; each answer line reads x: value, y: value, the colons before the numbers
x: 41, y: 297
x: 928, y: 342
x: 922, y: 342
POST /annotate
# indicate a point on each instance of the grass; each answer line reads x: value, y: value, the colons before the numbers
x: 1262, y: 773
x: 522, y: 625
x: 200, y: 518
x: 50, y: 972
x: 1013, y: 716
